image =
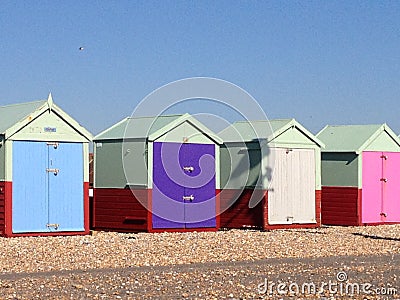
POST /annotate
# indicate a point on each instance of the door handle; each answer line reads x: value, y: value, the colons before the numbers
x: 188, y: 169
x: 384, y: 157
x: 188, y: 198
x: 384, y: 179
x: 384, y: 214
x: 55, y: 226
x: 55, y: 171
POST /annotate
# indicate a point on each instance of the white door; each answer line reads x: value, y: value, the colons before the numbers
x: 291, y: 195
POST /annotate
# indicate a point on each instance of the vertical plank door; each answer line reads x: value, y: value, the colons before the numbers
x: 183, y: 194
x: 168, y: 186
x: 391, y: 187
x: 65, y: 175
x: 29, y: 190
x: 372, y: 174
x: 291, y: 194
x: 199, y: 168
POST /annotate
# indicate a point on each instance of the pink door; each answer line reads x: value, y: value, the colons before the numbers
x: 371, y: 187
x: 391, y: 187
x: 380, y: 187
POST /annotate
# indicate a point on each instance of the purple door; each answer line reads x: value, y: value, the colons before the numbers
x: 183, y: 185
x: 199, y: 167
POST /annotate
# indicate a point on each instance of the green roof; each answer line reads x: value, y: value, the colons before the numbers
x: 247, y: 131
x: 15, y: 116
x: 352, y: 138
x: 150, y: 127
x: 141, y: 127
x: 12, y: 114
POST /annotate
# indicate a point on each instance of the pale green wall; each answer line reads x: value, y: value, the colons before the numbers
x: 35, y: 130
x: 2, y: 159
x: 109, y: 171
x: 292, y: 137
x: 8, y: 146
x: 235, y: 161
x: 340, y: 169
x: 185, y: 132
x: 383, y: 143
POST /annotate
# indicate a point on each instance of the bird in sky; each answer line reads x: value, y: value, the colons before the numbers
x: 81, y: 48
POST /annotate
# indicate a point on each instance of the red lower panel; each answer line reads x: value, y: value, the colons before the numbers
x: 5, y: 208
x: 120, y: 210
x: 6, y: 214
x: 86, y: 207
x: 294, y: 226
x: 2, y: 207
x: 236, y: 213
x: 341, y: 206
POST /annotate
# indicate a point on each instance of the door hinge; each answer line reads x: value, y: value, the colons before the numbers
x: 54, y: 144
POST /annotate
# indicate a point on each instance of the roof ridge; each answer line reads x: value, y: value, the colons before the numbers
x: 352, y: 125
x: 269, y: 120
x: 152, y: 117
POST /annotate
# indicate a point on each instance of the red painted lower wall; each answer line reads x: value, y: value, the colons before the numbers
x: 341, y: 206
x: 294, y: 226
x: 6, y: 221
x: 120, y: 210
x: 5, y: 208
x: 234, y: 205
x: 2, y: 207
x: 239, y: 215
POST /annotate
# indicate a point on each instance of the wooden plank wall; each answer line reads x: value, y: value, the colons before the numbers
x: 239, y: 215
x: 340, y: 206
x: 120, y: 210
x: 2, y: 207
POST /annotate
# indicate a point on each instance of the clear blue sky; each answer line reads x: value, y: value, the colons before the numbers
x: 321, y: 62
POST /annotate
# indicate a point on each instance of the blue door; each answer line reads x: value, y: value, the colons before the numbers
x: 65, y: 174
x: 47, y: 187
x: 29, y: 187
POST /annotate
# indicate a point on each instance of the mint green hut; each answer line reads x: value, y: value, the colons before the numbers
x: 360, y: 175
x: 44, y: 171
x: 156, y: 174
x: 276, y: 165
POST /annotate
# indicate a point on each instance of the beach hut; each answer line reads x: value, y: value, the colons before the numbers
x: 270, y: 175
x: 156, y: 174
x: 44, y: 176
x: 360, y: 175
